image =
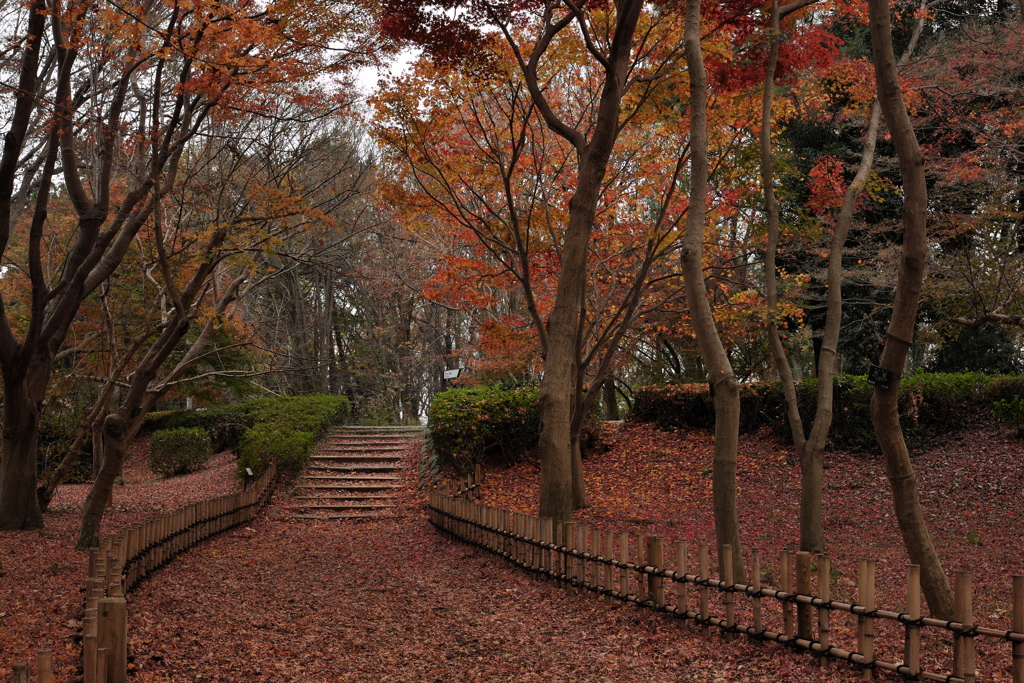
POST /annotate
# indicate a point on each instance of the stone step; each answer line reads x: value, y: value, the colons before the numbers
x: 356, y: 515
x: 341, y: 477
x: 347, y: 487
x: 343, y: 497
x: 355, y: 458
x: 353, y: 468
x: 346, y: 506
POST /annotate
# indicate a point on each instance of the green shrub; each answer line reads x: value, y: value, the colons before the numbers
x: 178, y: 451
x: 1010, y: 413
x: 473, y: 424
x: 285, y: 429
x: 931, y: 406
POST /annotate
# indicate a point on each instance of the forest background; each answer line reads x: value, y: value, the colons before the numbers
x: 194, y: 209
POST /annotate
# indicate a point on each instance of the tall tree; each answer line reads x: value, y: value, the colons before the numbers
x: 724, y: 386
x: 129, y: 90
x: 884, y: 408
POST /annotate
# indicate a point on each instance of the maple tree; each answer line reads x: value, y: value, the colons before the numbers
x: 884, y: 410
x: 129, y: 92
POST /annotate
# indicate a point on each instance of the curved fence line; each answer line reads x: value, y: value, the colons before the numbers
x: 635, y: 571
x: 126, y: 558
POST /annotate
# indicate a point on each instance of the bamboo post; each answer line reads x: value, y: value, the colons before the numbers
x: 641, y: 557
x: 730, y: 597
x: 551, y: 529
x: 609, y: 573
x: 755, y: 583
x: 656, y: 558
x: 112, y: 635
x: 581, y: 546
x: 89, y: 646
x: 596, y: 552
x: 103, y: 672
x: 912, y: 639
x: 786, y: 570
x: 19, y: 672
x: 44, y: 666
x: 803, y: 587
x: 570, y: 545
x: 682, y: 598
x: 702, y: 577
x: 1018, y: 626
x: 963, y: 652
x: 825, y: 593
x: 866, y: 624
x: 623, y: 559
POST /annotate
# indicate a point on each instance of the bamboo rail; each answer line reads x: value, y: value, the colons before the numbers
x: 125, y: 559
x: 565, y: 554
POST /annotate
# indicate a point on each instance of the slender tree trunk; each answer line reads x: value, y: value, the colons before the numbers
x: 725, y: 388
x: 19, y: 507
x: 611, y: 401
x: 118, y: 432
x: 884, y: 409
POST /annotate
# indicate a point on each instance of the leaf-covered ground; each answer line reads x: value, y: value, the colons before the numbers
x: 290, y: 600
x: 42, y: 575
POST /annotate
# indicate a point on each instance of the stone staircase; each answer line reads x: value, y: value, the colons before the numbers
x: 354, y: 473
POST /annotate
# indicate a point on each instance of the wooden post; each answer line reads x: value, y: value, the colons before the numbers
x: 641, y: 560
x: 1018, y: 626
x: 803, y: 587
x: 963, y: 652
x: 702, y: 575
x: 609, y: 552
x: 112, y: 635
x: 44, y: 666
x: 581, y: 546
x: 656, y: 558
x: 623, y: 558
x: 19, y: 672
x: 755, y: 583
x: 730, y: 598
x: 786, y: 570
x: 825, y: 593
x: 682, y: 588
x: 102, y: 665
x: 866, y: 625
x: 570, y: 544
x: 89, y: 646
x: 595, y: 565
x: 912, y: 639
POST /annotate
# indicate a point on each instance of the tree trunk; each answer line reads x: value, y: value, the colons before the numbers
x: 884, y: 410
x: 555, y: 399
x: 118, y: 432
x: 579, y: 485
x: 611, y: 401
x: 724, y: 387
x: 19, y: 507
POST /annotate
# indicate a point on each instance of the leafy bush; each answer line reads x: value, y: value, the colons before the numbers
x: 285, y: 429
x: 1010, y: 413
x: 473, y: 424
x: 931, y: 406
x: 179, y: 451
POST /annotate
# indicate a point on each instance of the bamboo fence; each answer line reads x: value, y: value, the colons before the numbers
x: 635, y: 570
x: 125, y: 559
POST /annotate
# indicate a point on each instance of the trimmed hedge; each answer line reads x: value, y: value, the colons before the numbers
x: 262, y: 430
x: 931, y: 405
x: 477, y: 423
x: 178, y: 451
x: 285, y: 430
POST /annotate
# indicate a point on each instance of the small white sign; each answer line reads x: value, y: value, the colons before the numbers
x: 451, y: 374
x: 248, y: 471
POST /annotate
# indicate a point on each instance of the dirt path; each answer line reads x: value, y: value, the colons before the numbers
x: 392, y: 600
